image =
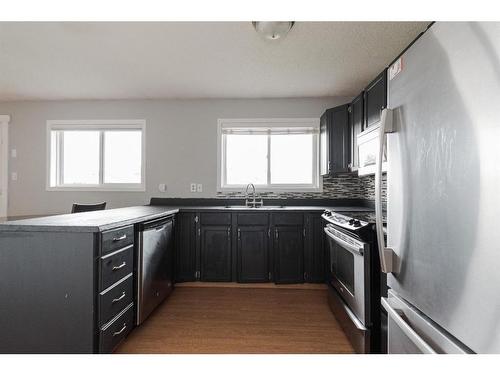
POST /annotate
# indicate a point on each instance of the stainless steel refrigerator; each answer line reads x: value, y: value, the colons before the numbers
x: 443, y: 198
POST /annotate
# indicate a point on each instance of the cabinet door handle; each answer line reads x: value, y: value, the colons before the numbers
x: 120, y: 266
x: 119, y: 298
x: 121, y: 330
x: 121, y: 238
x: 239, y: 234
x: 276, y: 235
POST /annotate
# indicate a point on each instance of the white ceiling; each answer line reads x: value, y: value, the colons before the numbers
x: 194, y: 60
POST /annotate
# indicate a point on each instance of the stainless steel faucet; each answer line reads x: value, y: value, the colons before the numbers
x: 253, y: 203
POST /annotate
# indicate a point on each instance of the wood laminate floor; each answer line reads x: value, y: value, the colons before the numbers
x: 240, y: 320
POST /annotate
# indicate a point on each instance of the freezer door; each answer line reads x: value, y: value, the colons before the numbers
x: 411, y: 332
x: 443, y: 180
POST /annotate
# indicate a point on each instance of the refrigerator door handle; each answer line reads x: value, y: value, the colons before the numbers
x: 406, y: 328
x: 386, y: 254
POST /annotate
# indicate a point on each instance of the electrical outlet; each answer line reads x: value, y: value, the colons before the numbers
x: 162, y: 187
x: 193, y: 187
x: 199, y: 188
x: 14, y: 176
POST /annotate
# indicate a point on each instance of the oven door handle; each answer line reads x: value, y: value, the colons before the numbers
x: 346, y: 245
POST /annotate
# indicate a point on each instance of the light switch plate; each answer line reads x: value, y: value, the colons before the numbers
x: 199, y: 188
x: 193, y: 187
x: 13, y: 153
x: 14, y: 176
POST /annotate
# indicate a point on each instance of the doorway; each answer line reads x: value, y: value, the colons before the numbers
x: 4, y: 166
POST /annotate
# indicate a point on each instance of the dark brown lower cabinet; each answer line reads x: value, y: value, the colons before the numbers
x: 215, y: 253
x: 314, y: 252
x: 288, y: 249
x: 284, y: 247
x: 253, y: 254
x: 185, y: 247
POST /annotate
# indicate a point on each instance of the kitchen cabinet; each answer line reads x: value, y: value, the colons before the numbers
x: 253, y: 254
x: 288, y: 248
x: 314, y: 251
x: 185, y: 247
x: 324, y: 143
x: 375, y: 99
x: 356, y: 123
x: 78, y: 289
x: 215, y: 253
x: 335, y: 141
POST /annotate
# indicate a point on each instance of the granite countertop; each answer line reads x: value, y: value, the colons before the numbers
x: 97, y: 221
x: 94, y: 221
x: 270, y: 208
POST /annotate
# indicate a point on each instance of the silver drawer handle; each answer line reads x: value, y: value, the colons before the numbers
x: 120, y: 266
x: 121, y: 330
x: 406, y: 328
x: 122, y: 237
x: 119, y: 298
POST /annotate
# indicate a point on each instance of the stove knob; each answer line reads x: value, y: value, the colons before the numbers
x: 351, y: 221
x: 356, y: 223
x: 328, y: 213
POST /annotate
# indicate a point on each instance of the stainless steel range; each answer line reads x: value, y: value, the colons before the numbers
x: 354, y: 278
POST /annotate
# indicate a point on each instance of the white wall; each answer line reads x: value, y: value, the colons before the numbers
x: 181, y: 138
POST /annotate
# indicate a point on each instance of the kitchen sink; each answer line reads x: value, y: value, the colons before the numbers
x: 252, y: 208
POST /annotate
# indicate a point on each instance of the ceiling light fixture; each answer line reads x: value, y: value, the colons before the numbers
x: 273, y: 30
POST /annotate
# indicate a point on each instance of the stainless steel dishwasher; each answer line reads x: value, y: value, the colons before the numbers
x: 155, y: 253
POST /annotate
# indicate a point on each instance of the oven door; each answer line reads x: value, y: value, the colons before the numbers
x: 347, y: 270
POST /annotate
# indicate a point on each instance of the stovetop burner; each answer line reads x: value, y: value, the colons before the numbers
x: 352, y: 220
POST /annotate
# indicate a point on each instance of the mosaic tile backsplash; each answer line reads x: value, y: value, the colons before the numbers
x: 347, y: 186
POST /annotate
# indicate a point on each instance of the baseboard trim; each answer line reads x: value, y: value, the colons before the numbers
x: 200, y: 284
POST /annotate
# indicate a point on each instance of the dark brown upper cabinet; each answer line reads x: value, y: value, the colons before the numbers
x: 375, y: 99
x: 356, y: 122
x: 335, y: 140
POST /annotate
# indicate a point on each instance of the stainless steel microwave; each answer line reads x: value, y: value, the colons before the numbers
x: 368, y: 145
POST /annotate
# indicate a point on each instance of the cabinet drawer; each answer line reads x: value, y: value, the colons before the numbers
x: 215, y: 218
x: 116, y: 266
x: 253, y: 219
x: 287, y: 218
x: 115, y: 239
x: 114, y: 300
x: 112, y: 334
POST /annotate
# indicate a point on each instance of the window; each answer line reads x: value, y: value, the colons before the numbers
x: 273, y: 154
x: 96, y: 155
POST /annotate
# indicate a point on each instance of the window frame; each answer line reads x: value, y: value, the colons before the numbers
x: 97, y: 125
x: 222, y: 186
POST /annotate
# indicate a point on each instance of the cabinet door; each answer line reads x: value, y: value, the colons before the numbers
x: 314, y: 260
x: 324, y: 140
x: 288, y: 254
x: 356, y: 122
x: 185, y: 247
x: 215, y: 253
x: 339, y: 147
x: 375, y: 99
x: 253, y: 254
